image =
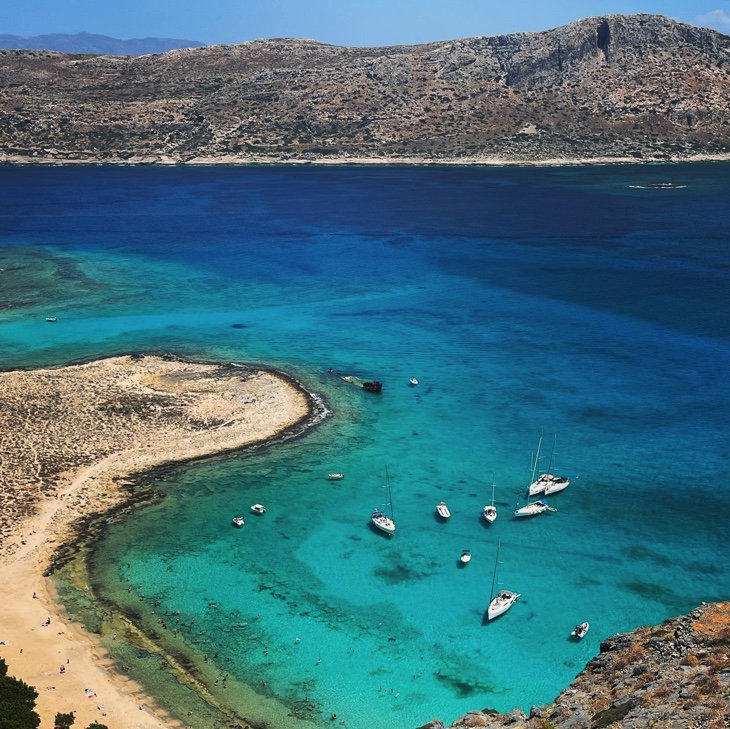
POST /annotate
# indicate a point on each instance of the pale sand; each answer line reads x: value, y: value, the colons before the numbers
x: 68, y: 437
x: 473, y: 161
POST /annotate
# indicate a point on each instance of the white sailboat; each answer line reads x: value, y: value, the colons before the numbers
x: 536, y: 486
x: 383, y: 519
x: 555, y: 484
x: 490, y: 511
x: 504, y: 599
x: 533, y: 508
x: 547, y: 483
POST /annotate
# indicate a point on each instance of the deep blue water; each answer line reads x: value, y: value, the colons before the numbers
x: 525, y: 300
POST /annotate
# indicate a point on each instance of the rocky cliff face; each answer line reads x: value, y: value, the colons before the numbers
x: 675, y: 676
x: 638, y: 86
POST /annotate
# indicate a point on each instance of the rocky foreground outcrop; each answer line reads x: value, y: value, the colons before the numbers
x: 640, y: 87
x: 674, y: 676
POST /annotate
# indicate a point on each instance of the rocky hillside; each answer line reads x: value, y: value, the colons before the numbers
x: 675, y: 676
x: 640, y: 87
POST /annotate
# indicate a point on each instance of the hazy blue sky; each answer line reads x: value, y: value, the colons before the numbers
x: 344, y: 22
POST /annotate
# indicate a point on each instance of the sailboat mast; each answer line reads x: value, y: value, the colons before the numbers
x: 552, y: 453
x: 388, y: 498
x: 537, y: 460
x: 494, y: 577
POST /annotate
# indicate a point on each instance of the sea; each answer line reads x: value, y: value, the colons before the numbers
x: 585, y: 305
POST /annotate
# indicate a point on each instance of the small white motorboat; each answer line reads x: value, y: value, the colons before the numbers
x: 443, y: 510
x: 238, y: 521
x: 51, y: 318
x: 336, y: 476
x: 465, y: 556
x: 580, y: 630
x: 258, y: 509
x: 413, y: 381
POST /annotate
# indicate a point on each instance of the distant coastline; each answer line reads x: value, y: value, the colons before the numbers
x: 235, y: 161
x: 608, y: 89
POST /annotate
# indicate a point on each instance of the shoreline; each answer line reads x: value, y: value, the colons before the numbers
x: 69, y: 666
x: 161, y: 160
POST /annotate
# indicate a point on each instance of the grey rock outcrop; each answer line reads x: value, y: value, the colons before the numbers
x: 674, y: 676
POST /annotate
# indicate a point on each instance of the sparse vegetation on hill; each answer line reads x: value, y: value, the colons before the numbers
x: 640, y: 87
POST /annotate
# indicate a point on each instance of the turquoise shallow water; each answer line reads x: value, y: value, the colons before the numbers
x: 561, y: 300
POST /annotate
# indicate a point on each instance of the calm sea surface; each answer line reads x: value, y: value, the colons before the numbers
x: 571, y: 301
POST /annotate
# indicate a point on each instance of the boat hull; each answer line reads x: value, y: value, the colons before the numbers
x: 528, y: 511
x: 534, y: 509
x: 501, y: 604
x: 556, y: 485
x: 385, y: 525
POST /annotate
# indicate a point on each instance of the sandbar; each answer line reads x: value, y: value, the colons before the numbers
x: 70, y: 439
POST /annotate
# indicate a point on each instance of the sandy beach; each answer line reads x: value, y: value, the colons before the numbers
x: 253, y: 160
x: 69, y: 438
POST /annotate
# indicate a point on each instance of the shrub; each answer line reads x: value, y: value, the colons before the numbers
x: 17, y: 701
x: 64, y: 721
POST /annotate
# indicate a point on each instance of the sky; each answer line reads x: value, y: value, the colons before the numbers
x: 340, y: 22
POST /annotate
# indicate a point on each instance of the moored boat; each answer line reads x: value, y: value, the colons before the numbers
x: 465, y: 556
x: 383, y: 518
x: 51, y: 318
x: 413, y: 381
x: 547, y: 483
x: 336, y: 476
x: 555, y: 484
x: 580, y: 630
x: 534, y: 508
x: 238, y: 521
x: 443, y: 510
x: 504, y: 599
x: 490, y: 511
x: 258, y: 509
